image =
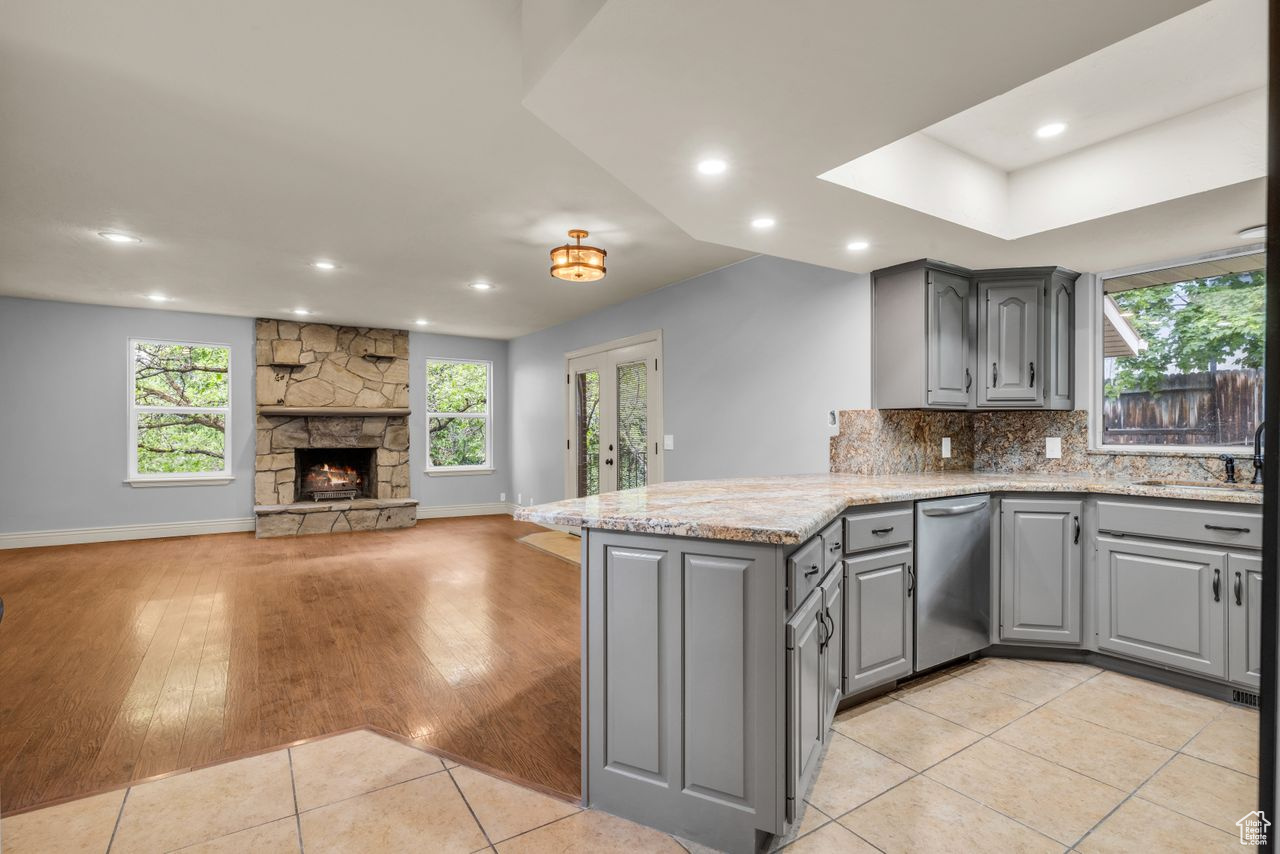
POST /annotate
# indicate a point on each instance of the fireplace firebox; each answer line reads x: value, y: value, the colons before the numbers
x: 335, y: 474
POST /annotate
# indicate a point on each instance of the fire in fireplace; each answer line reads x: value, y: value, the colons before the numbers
x: 330, y: 474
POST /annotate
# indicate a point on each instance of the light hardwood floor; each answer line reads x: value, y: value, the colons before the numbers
x: 120, y: 661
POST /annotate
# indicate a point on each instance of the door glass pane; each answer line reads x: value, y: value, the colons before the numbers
x: 633, y: 425
x: 587, y: 429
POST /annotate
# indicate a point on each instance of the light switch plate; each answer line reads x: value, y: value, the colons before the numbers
x: 1053, y: 447
x: 668, y: 442
x: 946, y: 447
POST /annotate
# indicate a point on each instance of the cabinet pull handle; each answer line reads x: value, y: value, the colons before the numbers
x: 1229, y: 528
x: 911, y: 580
x: 968, y: 380
x: 1076, y: 540
x: 1217, y: 585
x: 1239, y: 591
x: 879, y: 531
x: 1032, y: 382
x: 835, y: 547
x: 822, y: 638
x: 831, y: 627
x: 993, y: 374
x: 813, y: 570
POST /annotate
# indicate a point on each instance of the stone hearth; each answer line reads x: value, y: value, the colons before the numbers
x: 321, y: 386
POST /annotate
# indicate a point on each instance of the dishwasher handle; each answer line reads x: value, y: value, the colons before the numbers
x: 958, y: 510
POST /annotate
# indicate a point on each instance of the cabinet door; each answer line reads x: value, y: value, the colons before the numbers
x: 806, y: 706
x: 1040, y: 570
x: 1244, y: 615
x: 1059, y: 385
x: 833, y: 648
x: 950, y: 344
x: 878, y: 621
x: 1163, y: 602
x: 1009, y: 337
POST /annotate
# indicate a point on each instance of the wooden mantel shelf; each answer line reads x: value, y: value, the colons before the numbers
x: 335, y: 411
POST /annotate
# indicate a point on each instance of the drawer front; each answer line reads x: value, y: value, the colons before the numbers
x: 877, y: 530
x: 805, y: 569
x: 1240, y: 529
x: 833, y: 543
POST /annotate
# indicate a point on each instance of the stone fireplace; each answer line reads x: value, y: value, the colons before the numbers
x: 333, y: 429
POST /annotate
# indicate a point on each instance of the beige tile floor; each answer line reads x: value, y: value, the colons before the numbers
x: 993, y: 755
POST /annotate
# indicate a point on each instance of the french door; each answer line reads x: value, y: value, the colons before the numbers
x: 614, y: 418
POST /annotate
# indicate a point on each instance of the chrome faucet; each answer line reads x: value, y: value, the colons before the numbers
x: 1257, y: 452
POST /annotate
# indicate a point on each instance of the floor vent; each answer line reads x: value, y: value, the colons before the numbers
x: 1244, y: 698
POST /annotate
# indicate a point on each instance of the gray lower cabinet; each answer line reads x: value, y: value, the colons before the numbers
x: 833, y: 644
x: 806, y: 696
x: 1244, y: 616
x: 1163, y: 602
x: 1041, y: 570
x: 878, y: 618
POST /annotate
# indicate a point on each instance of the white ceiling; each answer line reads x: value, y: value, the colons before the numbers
x: 403, y: 140
x: 243, y: 140
x: 786, y: 91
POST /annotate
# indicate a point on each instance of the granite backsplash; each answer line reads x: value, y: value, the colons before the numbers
x: 896, y: 441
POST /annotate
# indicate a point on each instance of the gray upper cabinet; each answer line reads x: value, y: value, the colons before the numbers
x: 1163, y: 602
x: 948, y: 338
x: 1040, y: 570
x: 878, y: 622
x: 1244, y: 616
x: 1009, y: 341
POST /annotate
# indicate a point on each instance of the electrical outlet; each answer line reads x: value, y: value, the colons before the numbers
x: 668, y: 442
x: 502, y: 496
x: 1053, y: 447
x: 946, y: 447
x: 831, y: 418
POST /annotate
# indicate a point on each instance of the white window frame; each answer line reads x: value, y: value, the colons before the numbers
x: 1098, y: 367
x: 213, y: 478
x: 487, y: 466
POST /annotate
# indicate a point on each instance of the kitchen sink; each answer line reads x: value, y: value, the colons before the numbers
x: 1197, y: 484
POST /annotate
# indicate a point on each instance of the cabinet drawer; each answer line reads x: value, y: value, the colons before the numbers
x: 804, y: 571
x: 1235, y: 528
x: 833, y: 543
x: 863, y: 531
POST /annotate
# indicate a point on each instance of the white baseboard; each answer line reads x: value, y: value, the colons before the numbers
x: 70, y: 536
x: 442, y: 511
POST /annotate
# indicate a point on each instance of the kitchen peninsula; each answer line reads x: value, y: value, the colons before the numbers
x: 724, y: 621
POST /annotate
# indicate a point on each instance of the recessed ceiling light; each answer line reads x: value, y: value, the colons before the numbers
x: 421, y: 322
x: 1051, y: 129
x: 158, y: 297
x: 857, y: 245
x: 119, y: 237
x: 763, y: 222
x: 1253, y: 232
x: 712, y: 166
x: 301, y: 311
x: 324, y: 265
x: 481, y: 286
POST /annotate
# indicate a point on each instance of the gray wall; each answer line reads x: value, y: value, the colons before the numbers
x: 63, y: 422
x: 438, y: 490
x: 755, y: 355
x: 63, y: 427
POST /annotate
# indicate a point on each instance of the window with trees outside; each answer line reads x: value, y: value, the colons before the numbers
x: 459, y: 414
x: 1183, y: 354
x: 179, y: 410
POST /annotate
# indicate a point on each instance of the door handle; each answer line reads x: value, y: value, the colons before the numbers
x: 1228, y: 528
x: 822, y: 638
x: 1239, y: 591
x: 958, y: 510
x: 813, y: 570
x: 1076, y: 541
x: 835, y: 547
x: 968, y: 379
x: 1217, y: 585
x: 879, y: 531
x: 831, y: 627
x: 911, y: 580
x: 993, y: 374
x: 609, y: 461
x: 1032, y: 382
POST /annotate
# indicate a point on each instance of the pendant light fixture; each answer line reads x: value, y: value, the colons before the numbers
x: 574, y: 262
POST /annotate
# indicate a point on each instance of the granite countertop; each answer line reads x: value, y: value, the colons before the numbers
x: 790, y: 509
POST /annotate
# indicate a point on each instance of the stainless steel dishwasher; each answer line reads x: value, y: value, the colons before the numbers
x: 953, y: 578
